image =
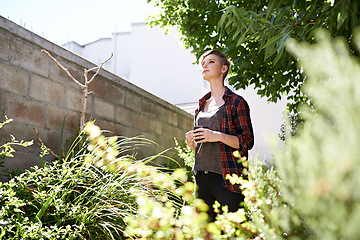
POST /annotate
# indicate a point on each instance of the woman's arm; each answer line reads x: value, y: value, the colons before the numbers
x: 208, y: 135
x: 243, y: 126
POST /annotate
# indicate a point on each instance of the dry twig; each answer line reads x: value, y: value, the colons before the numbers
x: 84, y: 86
x: 41, y: 142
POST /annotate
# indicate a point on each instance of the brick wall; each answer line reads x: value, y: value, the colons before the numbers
x: 36, y: 93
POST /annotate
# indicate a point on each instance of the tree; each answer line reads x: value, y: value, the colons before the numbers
x: 253, y: 34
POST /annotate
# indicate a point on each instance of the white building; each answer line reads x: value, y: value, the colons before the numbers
x: 149, y: 59
x: 159, y: 64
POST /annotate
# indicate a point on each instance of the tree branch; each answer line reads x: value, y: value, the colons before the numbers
x: 98, y: 68
x: 82, y: 86
x: 85, y: 86
x: 51, y: 152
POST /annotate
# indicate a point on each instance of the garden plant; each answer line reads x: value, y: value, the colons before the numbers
x: 72, y: 198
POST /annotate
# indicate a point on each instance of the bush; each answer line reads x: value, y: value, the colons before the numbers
x: 320, y: 165
x: 73, y: 198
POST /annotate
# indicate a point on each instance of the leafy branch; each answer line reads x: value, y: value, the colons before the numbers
x: 7, y: 150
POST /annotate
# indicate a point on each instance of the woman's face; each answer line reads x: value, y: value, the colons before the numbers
x: 212, y: 67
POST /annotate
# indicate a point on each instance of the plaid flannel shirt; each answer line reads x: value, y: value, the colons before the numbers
x: 237, y: 122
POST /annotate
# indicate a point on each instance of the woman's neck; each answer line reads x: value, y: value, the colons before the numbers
x: 217, y: 89
x: 216, y: 98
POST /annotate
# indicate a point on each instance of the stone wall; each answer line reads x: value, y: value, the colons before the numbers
x: 36, y: 93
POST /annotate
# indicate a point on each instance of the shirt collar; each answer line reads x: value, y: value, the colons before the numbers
x: 227, y: 94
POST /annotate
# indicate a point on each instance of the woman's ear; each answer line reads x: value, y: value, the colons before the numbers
x: 224, y: 69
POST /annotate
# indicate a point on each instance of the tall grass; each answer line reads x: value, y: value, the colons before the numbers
x: 75, y: 197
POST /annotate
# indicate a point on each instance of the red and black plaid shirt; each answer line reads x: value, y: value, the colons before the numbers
x: 236, y: 121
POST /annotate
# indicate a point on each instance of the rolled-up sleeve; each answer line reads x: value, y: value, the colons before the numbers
x: 243, y: 126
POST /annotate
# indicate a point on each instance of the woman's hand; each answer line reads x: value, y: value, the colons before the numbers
x: 190, y: 140
x: 202, y: 135
x: 206, y: 135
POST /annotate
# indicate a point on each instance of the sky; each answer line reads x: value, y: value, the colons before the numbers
x: 82, y: 21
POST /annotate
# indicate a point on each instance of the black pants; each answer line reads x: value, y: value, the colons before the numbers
x: 211, y: 189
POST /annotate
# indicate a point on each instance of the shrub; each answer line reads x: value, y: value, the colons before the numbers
x: 320, y: 165
x: 74, y: 198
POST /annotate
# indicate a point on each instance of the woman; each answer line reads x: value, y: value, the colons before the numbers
x: 222, y: 126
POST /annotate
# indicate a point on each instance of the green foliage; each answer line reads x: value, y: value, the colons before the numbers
x: 321, y: 163
x: 73, y: 198
x: 291, y: 125
x: 7, y: 150
x: 253, y: 34
x: 187, y: 155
